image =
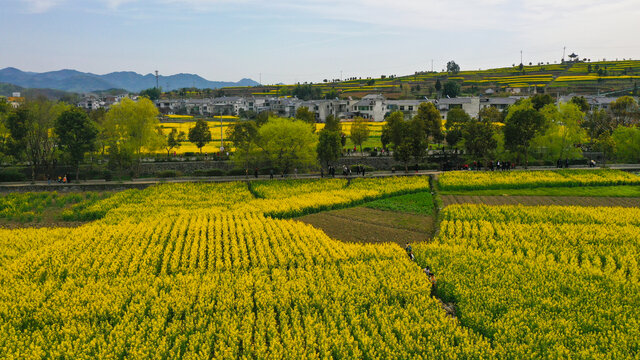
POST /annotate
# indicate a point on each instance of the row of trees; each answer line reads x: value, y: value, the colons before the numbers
x: 288, y: 143
x: 537, y: 128
x: 284, y: 143
x: 43, y: 134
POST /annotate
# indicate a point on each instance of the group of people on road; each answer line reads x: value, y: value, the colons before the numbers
x: 562, y: 164
x: 61, y: 179
x: 501, y: 165
x: 427, y: 271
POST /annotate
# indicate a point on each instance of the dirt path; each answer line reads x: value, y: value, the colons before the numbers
x: 361, y: 224
x: 541, y: 200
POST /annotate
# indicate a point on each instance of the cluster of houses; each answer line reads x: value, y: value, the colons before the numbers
x: 373, y: 107
x: 94, y: 102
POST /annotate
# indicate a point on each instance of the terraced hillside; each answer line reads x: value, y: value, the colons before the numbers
x: 574, y: 77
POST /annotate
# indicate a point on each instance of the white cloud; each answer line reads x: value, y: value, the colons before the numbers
x: 41, y: 6
x: 115, y: 4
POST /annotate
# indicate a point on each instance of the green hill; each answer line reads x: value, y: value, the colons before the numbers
x: 615, y: 77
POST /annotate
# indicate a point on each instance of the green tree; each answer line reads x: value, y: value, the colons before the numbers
x: 307, y: 92
x: 563, y: 133
x: 152, y: 93
x: 625, y: 111
x: 263, y: 117
x: 403, y: 152
x: 540, y: 100
x: 490, y: 114
x: 606, y: 145
x: 331, y: 94
x: 131, y: 127
x: 200, y: 134
x: 521, y: 126
x: 287, y: 143
x: 438, y: 85
x: 451, y: 89
x: 76, y: 135
x: 332, y: 123
x: 98, y: 117
x: 247, y: 114
x: 627, y: 144
x: 597, y: 122
x: 581, y: 102
x: 479, y: 139
x: 303, y: 113
x: 174, y: 140
x: 428, y: 113
x: 397, y: 134
x: 359, y: 131
x: 30, y: 127
x: 456, y: 120
x: 5, y: 134
x: 418, y: 138
x: 452, y: 67
x: 329, y: 147
x: 243, y: 135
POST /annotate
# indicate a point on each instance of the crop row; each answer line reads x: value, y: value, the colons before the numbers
x: 541, y: 290
x: 184, y: 271
x: 477, y: 180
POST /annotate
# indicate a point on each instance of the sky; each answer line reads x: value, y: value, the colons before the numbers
x: 290, y: 41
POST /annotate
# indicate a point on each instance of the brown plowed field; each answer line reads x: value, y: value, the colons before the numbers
x: 542, y: 200
x: 362, y: 224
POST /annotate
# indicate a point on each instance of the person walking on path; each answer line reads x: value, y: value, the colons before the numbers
x: 271, y: 174
x: 409, y: 251
x: 432, y: 279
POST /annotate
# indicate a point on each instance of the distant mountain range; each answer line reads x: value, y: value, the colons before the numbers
x: 80, y: 82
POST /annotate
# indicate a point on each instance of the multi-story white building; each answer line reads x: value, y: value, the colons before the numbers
x: 371, y: 107
x: 374, y: 107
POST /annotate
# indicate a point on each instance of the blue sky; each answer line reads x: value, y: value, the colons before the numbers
x: 308, y: 40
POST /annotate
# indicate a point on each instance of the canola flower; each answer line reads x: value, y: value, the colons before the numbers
x: 219, y: 271
x: 477, y: 180
x: 542, y: 282
x: 197, y: 271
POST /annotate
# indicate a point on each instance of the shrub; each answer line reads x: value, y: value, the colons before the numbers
x: 11, y: 175
x: 236, y: 172
x: 209, y: 172
x: 169, y: 174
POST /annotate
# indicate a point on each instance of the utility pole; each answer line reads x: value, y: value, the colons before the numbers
x: 157, y: 87
x: 521, y: 57
x: 563, y: 51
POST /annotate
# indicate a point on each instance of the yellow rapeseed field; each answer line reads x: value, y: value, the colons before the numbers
x: 479, y: 180
x: 543, y: 282
x: 197, y: 271
x: 224, y: 271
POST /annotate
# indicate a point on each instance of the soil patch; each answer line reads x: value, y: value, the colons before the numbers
x: 362, y: 224
x: 37, y: 225
x: 542, y: 200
